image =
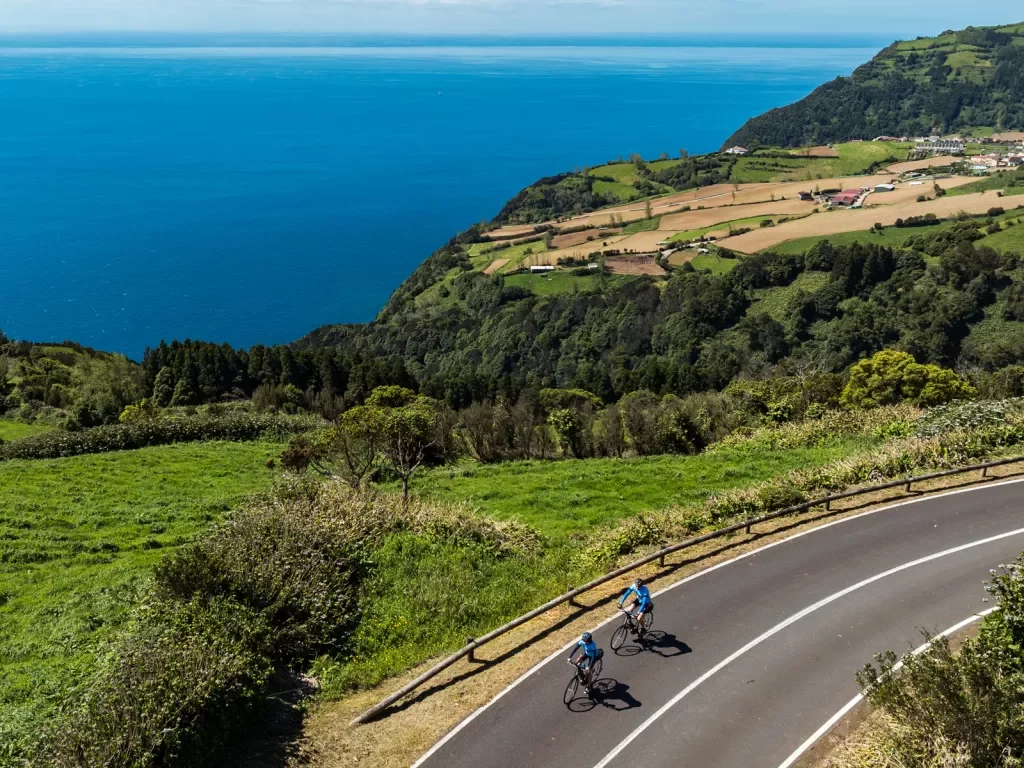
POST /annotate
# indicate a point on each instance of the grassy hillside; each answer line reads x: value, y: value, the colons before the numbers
x: 956, y: 81
x: 77, y: 539
x: 560, y: 498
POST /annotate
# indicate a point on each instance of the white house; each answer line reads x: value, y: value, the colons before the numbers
x: 541, y: 268
x: 737, y: 151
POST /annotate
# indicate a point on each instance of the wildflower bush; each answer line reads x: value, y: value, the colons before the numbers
x: 965, y: 416
x: 963, y: 709
x: 831, y: 425
x: 237, y: 426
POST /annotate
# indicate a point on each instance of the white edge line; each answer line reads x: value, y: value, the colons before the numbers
x: 784, y: 624
x: 789, y: 761
x: 469, y: 719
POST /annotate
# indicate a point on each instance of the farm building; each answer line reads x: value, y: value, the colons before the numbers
x: 847, y: 198
x: 939, y: 146
x: 806, y: 195
x: 541, y: 268
x: 885, y: 187
x: 737, y: 151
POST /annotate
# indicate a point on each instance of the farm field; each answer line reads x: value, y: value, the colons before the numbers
x: 853, y: 220
x: 713, y: 262
x: 77, y: 539
x: 905, y: 193
x: 709, y: 217
x: 919, y: 165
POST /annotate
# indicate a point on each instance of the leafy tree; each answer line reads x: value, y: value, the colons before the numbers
x: 891, y: 376
x: 406, y: 425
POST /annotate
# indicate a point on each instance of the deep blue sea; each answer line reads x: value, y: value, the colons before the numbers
x: 249, y: 191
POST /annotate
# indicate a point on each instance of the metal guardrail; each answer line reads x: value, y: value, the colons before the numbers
x: 826, y: 501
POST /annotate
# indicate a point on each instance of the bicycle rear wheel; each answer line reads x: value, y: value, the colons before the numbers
x: 648, y: 621
x: 594, y: 674
x: 570, y: 690
x: 619, y: 636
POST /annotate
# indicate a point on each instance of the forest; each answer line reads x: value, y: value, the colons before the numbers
x: 957, y: 81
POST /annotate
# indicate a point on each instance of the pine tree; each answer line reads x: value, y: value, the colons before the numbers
x: 163, y: 388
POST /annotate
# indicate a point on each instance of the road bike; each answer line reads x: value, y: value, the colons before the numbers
x: 629, y: 624
x: 585, y: 676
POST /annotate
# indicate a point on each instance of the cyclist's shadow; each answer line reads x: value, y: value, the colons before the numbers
x: 663, y: 644
x: 608, y: 693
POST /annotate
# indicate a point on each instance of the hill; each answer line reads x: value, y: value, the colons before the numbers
x: 951, y: 83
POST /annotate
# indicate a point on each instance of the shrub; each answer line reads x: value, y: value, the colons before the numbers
x: 969, y: 706
x: 170, y: 690
x: 892, y: 377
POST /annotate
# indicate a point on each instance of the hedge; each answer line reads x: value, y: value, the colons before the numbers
x: 234, y: 427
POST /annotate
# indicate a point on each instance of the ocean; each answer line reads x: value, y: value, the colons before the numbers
x: 248, y: 191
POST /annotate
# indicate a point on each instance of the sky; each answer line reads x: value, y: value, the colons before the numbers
x: 505, y: 17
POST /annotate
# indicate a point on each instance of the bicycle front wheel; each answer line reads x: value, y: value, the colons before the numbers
x: 570, y: 690
x: 619, y: 637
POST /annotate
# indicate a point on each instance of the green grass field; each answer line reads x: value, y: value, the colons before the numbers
x: 714, y: 262
x: 561, y: 497
x: 995, y: 181
x: 77, y: 539
x: 1010, y: 239
x: 15, y: 430
x: 891, y: 236
x: 555, y: 283
x: 622, y: 176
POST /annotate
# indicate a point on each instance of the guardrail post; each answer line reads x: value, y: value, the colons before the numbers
x: 471, y: 657
x: 572, y: 600
x: 747, y: 529
x: 828, y: 500
x: 984, y: 471
x: 908, y: 485
x: 661, y: 561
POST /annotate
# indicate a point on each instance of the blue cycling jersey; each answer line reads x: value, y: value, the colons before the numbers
x: 590, y: 649
x: 643, y: 595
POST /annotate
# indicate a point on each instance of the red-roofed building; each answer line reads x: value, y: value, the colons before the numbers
x: 847, y: 197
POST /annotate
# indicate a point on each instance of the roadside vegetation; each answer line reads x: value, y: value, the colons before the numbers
x: 949, y: 706
x: 78, y: 539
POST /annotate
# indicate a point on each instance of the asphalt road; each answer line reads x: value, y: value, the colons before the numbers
x: 747, y: 660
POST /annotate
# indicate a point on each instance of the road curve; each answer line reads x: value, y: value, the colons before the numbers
x: 749, y: 658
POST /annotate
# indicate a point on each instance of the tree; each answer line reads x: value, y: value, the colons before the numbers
x: 648, y: 213
x: 406, y: 427
x: 891, y: 376
x: 184, y: 394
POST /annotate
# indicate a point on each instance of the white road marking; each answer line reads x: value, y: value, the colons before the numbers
x: 789, y: 761
x: 783, y: 625
x: 526, y: 675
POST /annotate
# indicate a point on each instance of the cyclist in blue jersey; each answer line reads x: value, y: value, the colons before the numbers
x: 641, y: 604
x: 590, y: 651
